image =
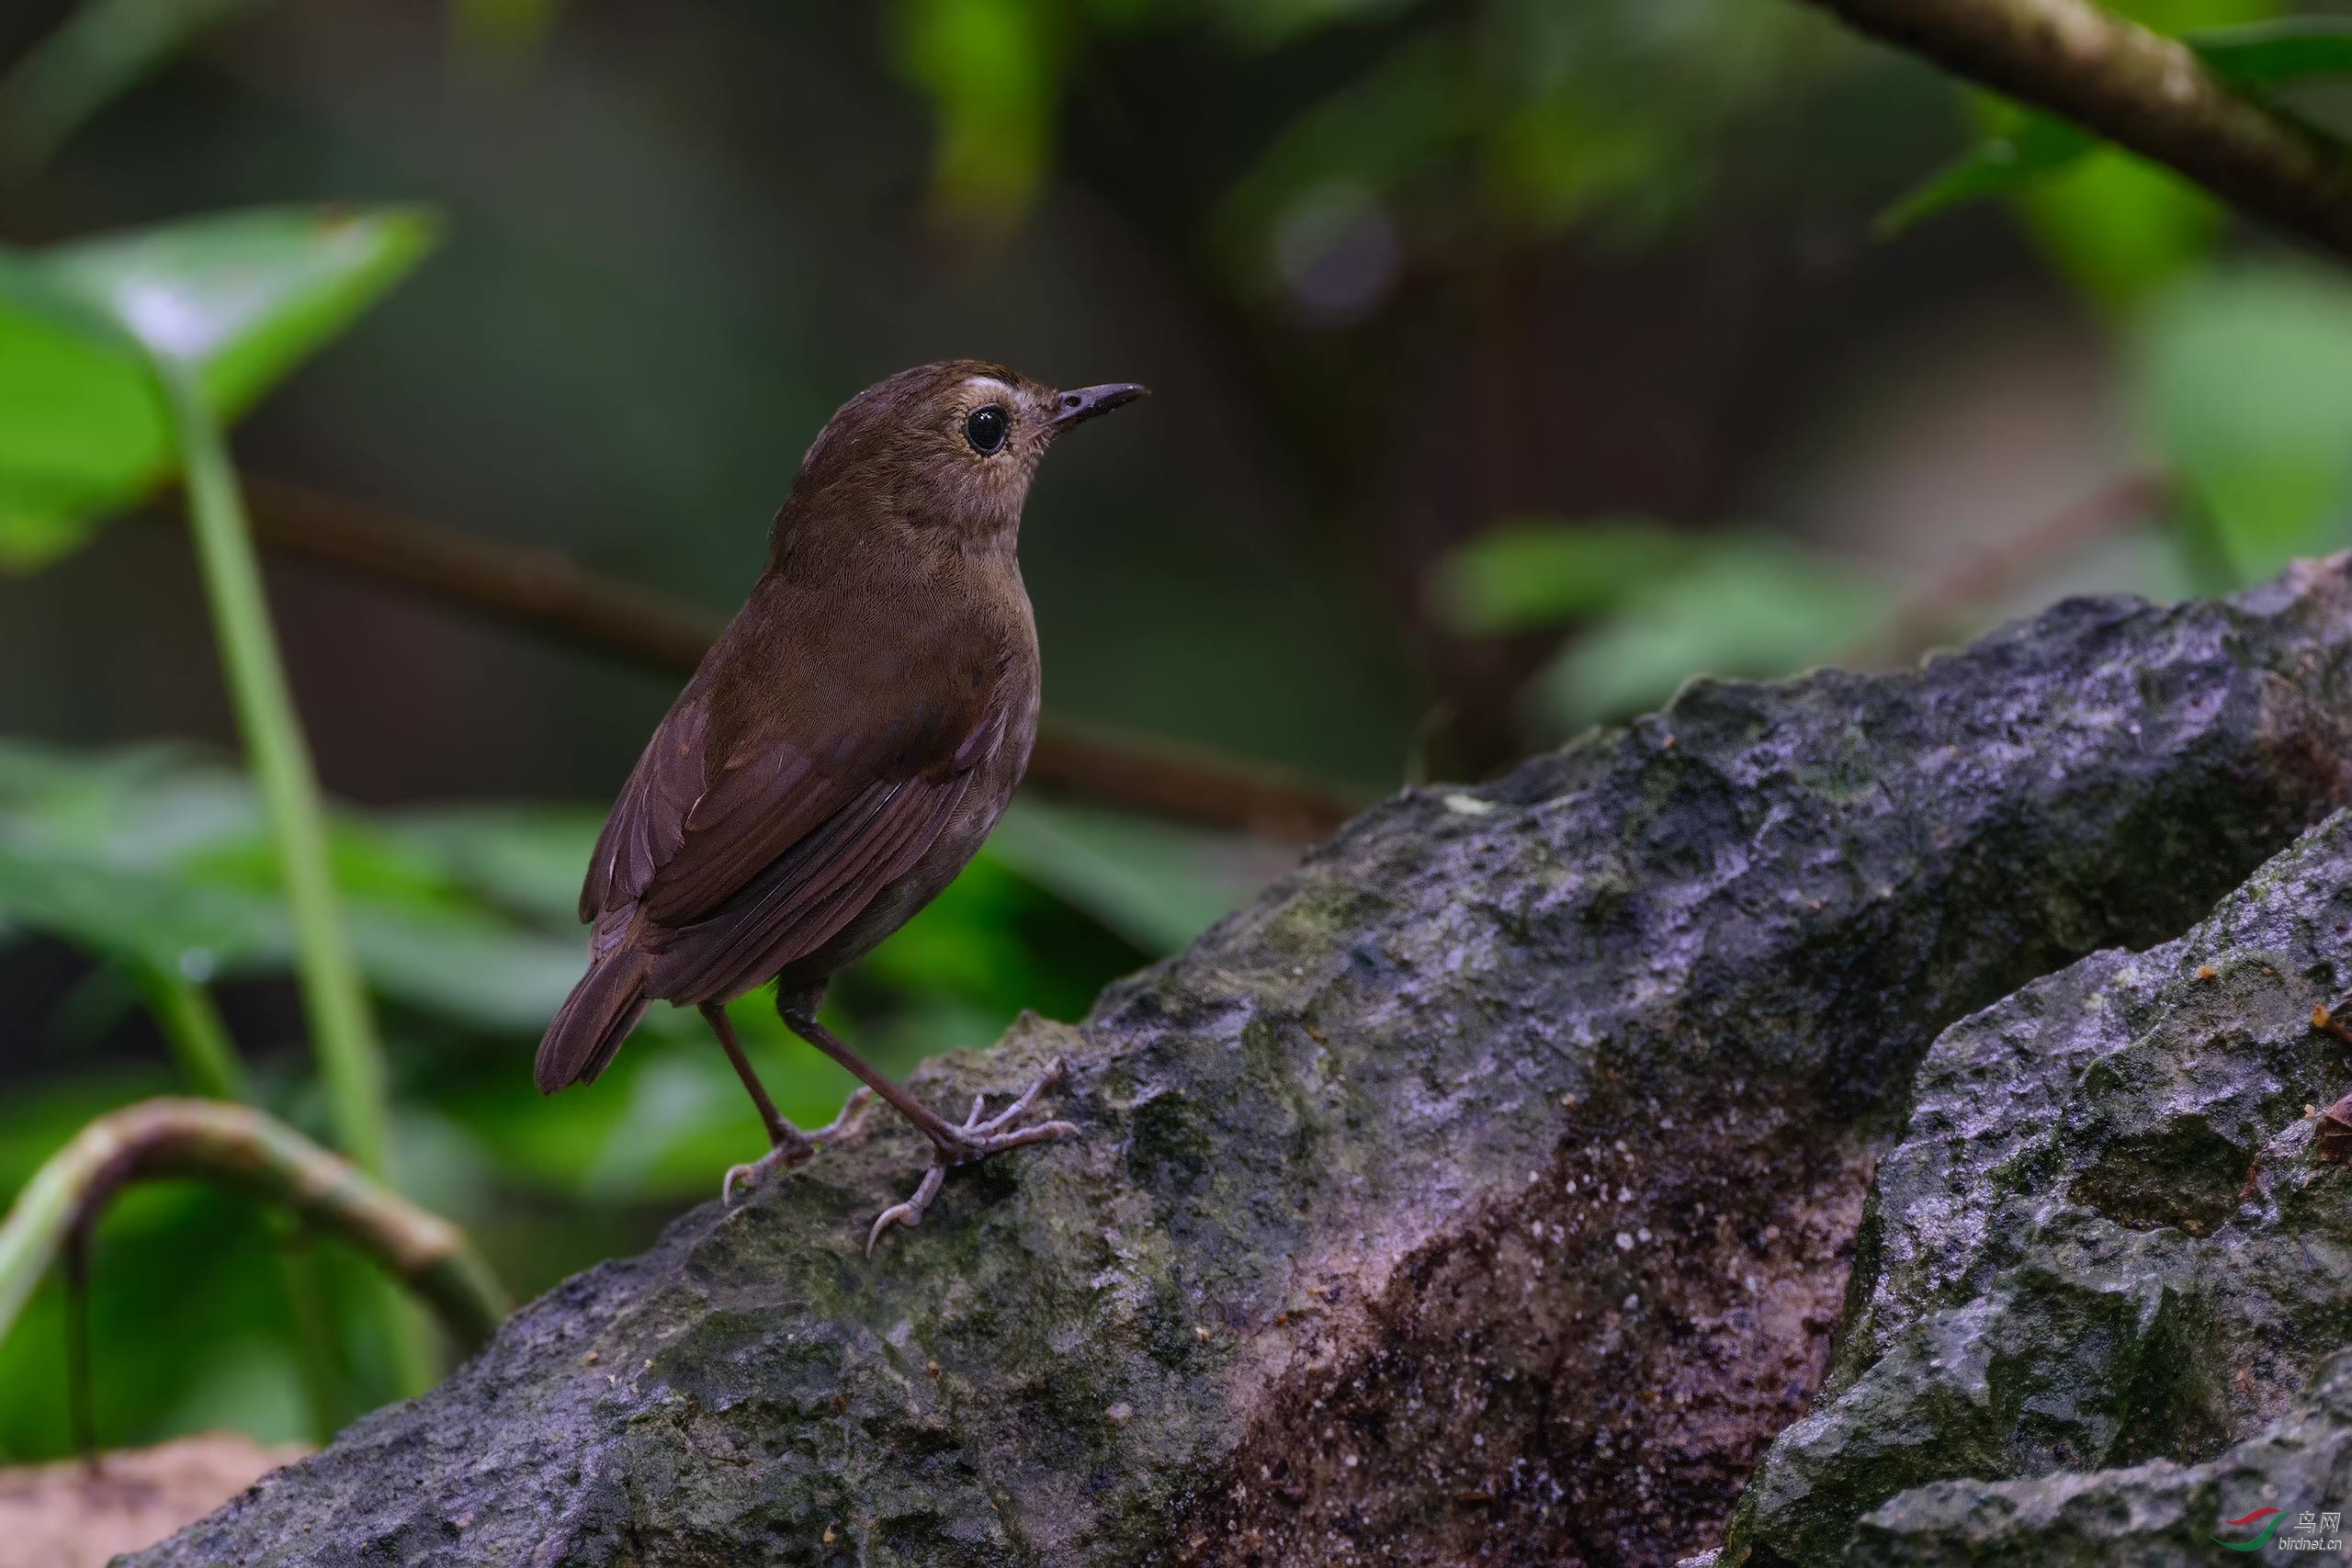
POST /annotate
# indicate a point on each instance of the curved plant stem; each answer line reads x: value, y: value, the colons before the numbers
x: 326, y: 1386
x: 336, y: 1004
x: 244, y: 1151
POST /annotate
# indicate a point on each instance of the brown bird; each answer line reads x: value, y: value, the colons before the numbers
x: 841, y: 751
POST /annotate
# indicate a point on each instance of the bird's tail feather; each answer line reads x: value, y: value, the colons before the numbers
x: 592, y: 1023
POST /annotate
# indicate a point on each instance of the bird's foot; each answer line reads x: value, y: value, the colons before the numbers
x: 979, y: 1136
x: 795, y: 1150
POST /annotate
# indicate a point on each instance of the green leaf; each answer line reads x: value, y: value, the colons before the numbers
x: 2116, y: 225
x: 159, y: 856
x: 243, y: 300
x: 78, y: 420
x: 2262, y: 54
x: 2120, y: 228
x: 2244, y: 381
x: 526, y: 859
x: 1751, y: 606
x: 1157, y: 886
x: 1534, y: 573
x: 1995, y: 165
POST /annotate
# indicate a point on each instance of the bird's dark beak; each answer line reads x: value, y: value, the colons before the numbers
x: 1077, y: 406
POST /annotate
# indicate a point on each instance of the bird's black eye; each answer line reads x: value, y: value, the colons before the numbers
x: 985, y: 429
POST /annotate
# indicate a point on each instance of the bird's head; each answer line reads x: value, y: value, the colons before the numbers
x: 951, y: 445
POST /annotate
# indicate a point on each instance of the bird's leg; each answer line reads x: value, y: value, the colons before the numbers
x: 791, y: 1146
x: 979, y: 1136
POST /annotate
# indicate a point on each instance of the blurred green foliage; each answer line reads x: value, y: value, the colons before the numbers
x: 2238, y: 380
x: 2118, y: 226
x: 1510, y: 122
x: 2238, y: 377
x: 242, y: 299
x: 1750, y: 605
x: 503, y: 28
x: 991, y: 69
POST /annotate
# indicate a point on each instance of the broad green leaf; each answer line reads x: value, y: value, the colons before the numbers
x: 527, y: 859
x: 1752, y: 607
x: 1157, y: 886
x: 2118, y: 226
x: 1532, y: 572
x: 2244, y: 381
x: 2176, y: 18
x: 969, y: 940
x: 2262, y: 54
x: 189, y: 930
x: 78, y: 420
x: 159, y: 856
x: 242, y: 298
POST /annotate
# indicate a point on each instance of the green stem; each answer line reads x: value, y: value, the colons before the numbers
x: 192, y: 1029
x: 200, y: 1040
x: 241, y: 1150
x: 317, y: 1357
x: 351, y: 1063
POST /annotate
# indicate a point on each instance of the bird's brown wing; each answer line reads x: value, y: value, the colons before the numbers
x: 742, y: 865
x: 648, y: 823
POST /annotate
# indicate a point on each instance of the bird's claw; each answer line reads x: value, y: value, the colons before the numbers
x: 795, y: 1150
x: 979, y: 1136
x: 784, y: 1157
x: 910, y: 1213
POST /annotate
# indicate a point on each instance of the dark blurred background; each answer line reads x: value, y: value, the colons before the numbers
x: 1515, y: 362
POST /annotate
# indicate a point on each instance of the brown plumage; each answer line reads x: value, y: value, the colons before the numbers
x: 844, y: 747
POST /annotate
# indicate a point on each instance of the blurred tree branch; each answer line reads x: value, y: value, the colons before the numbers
x: 546, y: 591
x: 241, y: 1150
x: 2138, y: 89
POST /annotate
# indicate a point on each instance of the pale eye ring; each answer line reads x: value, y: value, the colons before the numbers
x: 986, y: 427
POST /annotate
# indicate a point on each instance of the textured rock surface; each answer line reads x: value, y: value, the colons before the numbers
x: 2150, y: 1515
x: 1483, y: 1190
x: 2103, y: 1239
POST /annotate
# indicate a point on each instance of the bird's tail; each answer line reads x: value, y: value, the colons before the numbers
x: 593, y: 1022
